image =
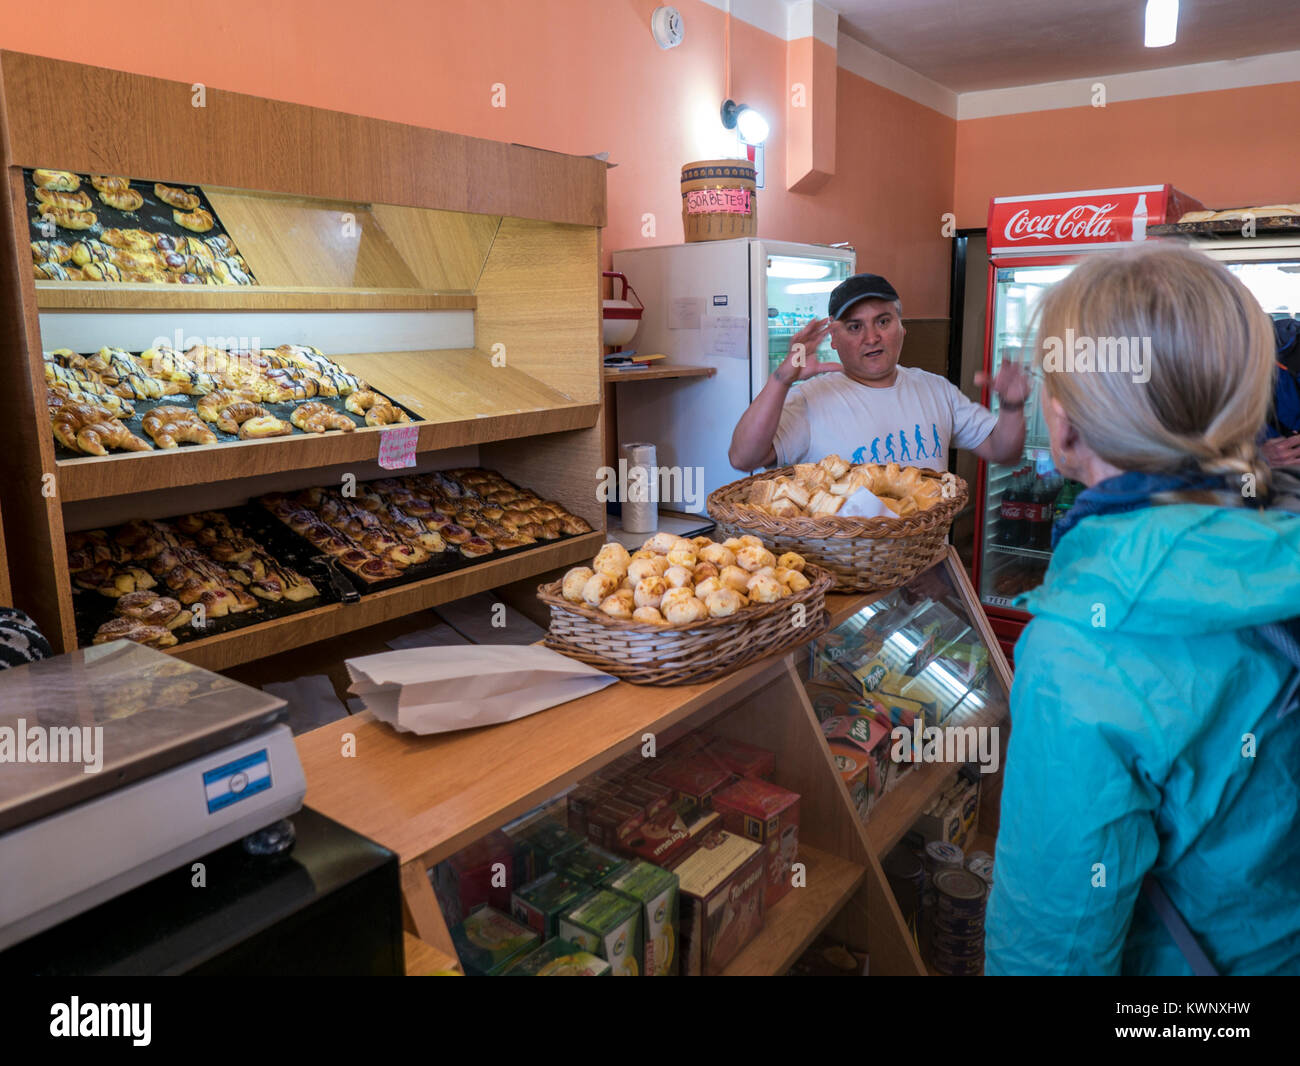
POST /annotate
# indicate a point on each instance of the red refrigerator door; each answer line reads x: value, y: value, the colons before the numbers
x: 1015, y: 503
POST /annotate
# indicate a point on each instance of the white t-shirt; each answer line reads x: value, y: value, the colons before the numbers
x: 913, y: 422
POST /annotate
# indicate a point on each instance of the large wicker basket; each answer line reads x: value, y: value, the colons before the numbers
x: 689, y: 654
x: 864, y: 554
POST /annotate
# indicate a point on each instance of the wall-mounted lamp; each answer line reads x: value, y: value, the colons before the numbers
x: 753, y: 127
x: 1161, y: 23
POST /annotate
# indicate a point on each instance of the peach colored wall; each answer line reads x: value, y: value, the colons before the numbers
x: 580, y: 76
x: 1229, y: 148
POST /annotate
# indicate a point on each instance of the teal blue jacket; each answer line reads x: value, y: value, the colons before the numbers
x: 1144, y: 737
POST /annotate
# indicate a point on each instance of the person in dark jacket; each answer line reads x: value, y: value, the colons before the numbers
x: 1154, y: 727
x: 1282, y: 436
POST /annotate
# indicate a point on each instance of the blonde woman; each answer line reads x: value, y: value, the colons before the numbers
x: 1151, y: 809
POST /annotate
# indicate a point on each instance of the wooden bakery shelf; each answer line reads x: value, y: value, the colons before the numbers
x: 424, y: 959
x: 794, y: 922
x: 123, y: 296
x: 662, y: 372
x: 306, y: 627
x: 463, y: 398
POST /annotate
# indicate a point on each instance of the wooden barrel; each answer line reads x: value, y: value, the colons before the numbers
x: 719, y: 200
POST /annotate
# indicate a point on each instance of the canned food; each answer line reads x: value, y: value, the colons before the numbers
x: 906, y: 876
x: 957, y: 947
x: 953, y: 925
x: 959, y: 893
x: 954, y: 967
x: 940, y: 855
x: 981, y: 866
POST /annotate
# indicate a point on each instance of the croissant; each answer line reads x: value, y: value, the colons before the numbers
x: 168, y: 426
x: 212, y: 406
x: 385, y: 414
x: 56, y: 179
x: 318, y: 417
x: 122, y: 199
x: 199, y: 221
x: 186, y: 201
x: 104, y: 183
x: 264, y: 426
x: 92, y: 430
x: 72, y: 201
x: 68, y: 217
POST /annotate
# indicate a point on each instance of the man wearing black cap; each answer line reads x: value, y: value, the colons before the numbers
x: 867, y: 408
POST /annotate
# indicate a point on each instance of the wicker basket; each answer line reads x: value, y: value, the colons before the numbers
x: 864, y: 554
x: 690, y: 654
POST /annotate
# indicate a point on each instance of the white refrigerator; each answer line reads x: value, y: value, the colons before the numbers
x: 729, y: 305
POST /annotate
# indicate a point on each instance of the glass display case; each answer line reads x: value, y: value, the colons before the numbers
x: 797, y: 289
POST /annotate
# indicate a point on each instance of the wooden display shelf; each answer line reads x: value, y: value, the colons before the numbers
x: 794, y: 922
x: 896, y: 812
x: 134, y: 296
x: 293, y: 631
x: 661, y: 372
x: 424, y: 959
x: 463, y: 398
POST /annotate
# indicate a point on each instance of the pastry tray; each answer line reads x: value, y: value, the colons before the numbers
x: 1227, y: 227
x: 281, y: 411
x: 91, y: 610
x: 153, y: 216
x: 442, y: 563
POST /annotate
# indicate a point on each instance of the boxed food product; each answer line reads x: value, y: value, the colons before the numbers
x: 559, y: 958
x: 768, y: 814
x: 832, y: 701
x: 487, y: 941
x: 914, y: 697
x: 693, y: 780
x: 667, y: 836
x: 483, y: 873
x: 545, y: 841
x: 538, y: 903
x: 644, y: 793
x: 589, y: 863
x: 613, y: 822
x: 609, y: 925
x: 722, y: 883
x: 655, y: 890
x: 870, y: 738
x: 582, y: 801
x: 743, y: 760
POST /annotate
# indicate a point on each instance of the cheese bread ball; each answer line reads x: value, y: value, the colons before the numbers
x: 723, y: 602
x: 751, y: 541
x: 612, y: 559
x: 574, y: 580
x: 718, y: 554
x: 649, y: 615
x: 752, y: 558
x: 643, y: 568
x: 679, y: 577
x: 679, y: 595
x: 765, y: 589
x: 734, y: 577
x: 793, y: 580
x: 649, y: 591
x: 791, y: 561
x: 703, y: 570
x: 707, y: 586
x: 701, y: 542
x: 683, y: 557
x: 616, y: 607
x: 733, y: 544
x: 661, y: 543
x: 684, y: 612
x: 598, y: 586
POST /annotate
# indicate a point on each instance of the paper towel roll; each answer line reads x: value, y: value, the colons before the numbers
x: 640, y: 513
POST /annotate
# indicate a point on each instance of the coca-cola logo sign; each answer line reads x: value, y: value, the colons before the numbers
x: 1081, y: 221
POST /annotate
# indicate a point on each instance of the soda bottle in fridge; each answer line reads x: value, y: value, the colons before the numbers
x: 1044, y: 508
x: 1011, y: 512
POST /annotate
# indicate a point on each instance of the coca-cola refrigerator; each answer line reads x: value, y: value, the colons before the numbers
x: 1033, y: 242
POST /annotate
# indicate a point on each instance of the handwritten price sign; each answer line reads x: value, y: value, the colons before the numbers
x: 717, y: 201
x: 397, y: 447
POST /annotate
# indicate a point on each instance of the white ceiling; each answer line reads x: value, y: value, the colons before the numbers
x: 973, y: 45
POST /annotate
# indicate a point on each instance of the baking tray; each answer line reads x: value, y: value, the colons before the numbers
x: 1227, y: 227
x: 443, y: 563
x: 153, y: 216
x: 281, y: 411
x: 91, y: 610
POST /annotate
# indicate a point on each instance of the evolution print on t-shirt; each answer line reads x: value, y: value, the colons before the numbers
x: 899, y: 448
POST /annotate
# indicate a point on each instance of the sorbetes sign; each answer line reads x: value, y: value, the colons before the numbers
x: 717, y: 201
x: 1082, y: 221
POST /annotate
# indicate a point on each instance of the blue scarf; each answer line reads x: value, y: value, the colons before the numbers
x: 1131, y: 491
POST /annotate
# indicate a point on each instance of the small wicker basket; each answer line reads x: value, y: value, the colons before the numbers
x: 689, y: 654
x: 864, y: 554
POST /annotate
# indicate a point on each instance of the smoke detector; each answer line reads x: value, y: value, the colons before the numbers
x: 666, y: 25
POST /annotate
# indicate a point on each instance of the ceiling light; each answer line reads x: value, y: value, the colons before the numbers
x: 796, y: 268
x: 1162, y: 23
x: 753, y: 127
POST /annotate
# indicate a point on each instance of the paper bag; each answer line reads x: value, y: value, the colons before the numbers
x: 864, y: 504
x: 436, y: 690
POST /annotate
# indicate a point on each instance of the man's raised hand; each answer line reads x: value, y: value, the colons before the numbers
x: 802, y: 362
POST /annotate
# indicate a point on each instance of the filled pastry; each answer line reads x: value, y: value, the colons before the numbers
x: 71, y: 201
x: 105, y: 183
x: 122, y: 199
x: 178, y: 198
x: 50, y: 252
x: 64, y: 180
x: 67, y: 217
x: 265, y: 425
x: 199, y: 221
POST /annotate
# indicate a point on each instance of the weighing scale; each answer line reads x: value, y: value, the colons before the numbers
x: 119, y: 763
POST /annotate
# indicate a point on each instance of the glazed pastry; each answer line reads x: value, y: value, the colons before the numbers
x: 50, y: 252
x: 122, y: 199
x: 69, y: 218
x: 179, y: 198
x: 264, y: 426
x: 475, y: 547
x: 103, y: 272
x: 130, y: 579
x: 91, y: 251
x: 199, y: 221
x: 71, y: 201
x: 104, y: 183
x: 132, y: 239
x: 134, y: 630
x: 56, y: 272
x: 56, y: 179
x: 221, y: 245
x: 152, y: 609
x: 169, y: 426
x: 318, y: 417
x: 232, y: 271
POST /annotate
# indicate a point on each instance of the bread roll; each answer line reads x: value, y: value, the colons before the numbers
x: 763, y: 588
x: 753, y: 558
x: 709, y: 585
x: 717, y: 554
x: 639, y: 569
x: 733, y: 543
x: 723, y: 602
x: 649, y: 591
x: 791, y: 561
x: 616, y: 607
x: 661, y: 543
x: 734, y: 577
x: 703, y: 571
x: 598, y: 586
x: 613, y: 558
x: 643, y: 553
x: 683, y: 557
x: 649, y: 615
x: 680, y: 595
x: 679, y: 577
x: 574, y: 581
x: 748, y: 540
x: 683, y: 612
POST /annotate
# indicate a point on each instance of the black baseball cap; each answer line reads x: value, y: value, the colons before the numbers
x: 854, y: 290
